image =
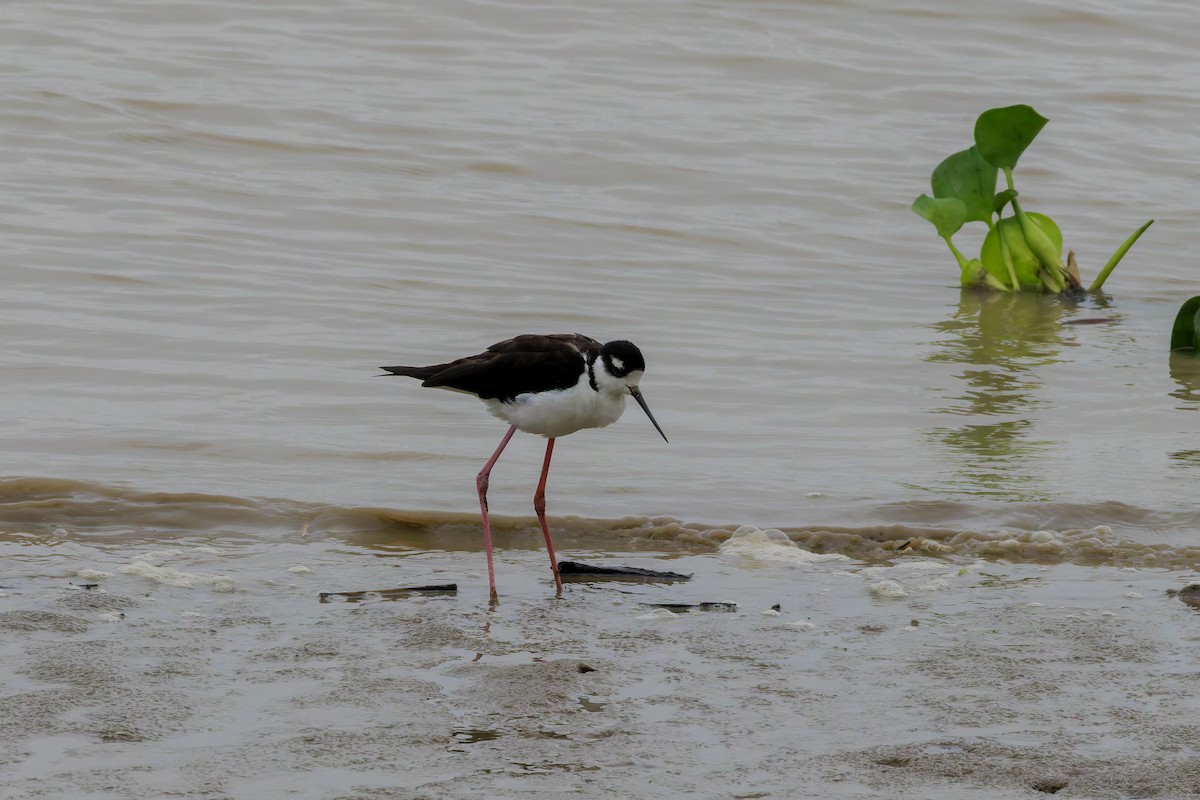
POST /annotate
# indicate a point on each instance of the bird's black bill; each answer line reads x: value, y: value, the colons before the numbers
x: 641, y: 401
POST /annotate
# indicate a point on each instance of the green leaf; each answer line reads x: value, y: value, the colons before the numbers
x: 1184, y: 333
x: 1002, y: 134
x: 967, y: 176
x: 1002, y: 199
x: 1116, y: 258
x: 947, y: 214
x: 1025, y: 263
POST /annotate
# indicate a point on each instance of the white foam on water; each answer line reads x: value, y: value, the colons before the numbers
x: 659, y: 614
x: 300, y: 569
x: 888, y: 581
x: 903, y: 568
x: 772, y: 545
x: 935, y: 585
x: 93, y: 575
x: 930, y: 546
x: 150, y: 565
x: 801, y: 625
x: 888, y: 588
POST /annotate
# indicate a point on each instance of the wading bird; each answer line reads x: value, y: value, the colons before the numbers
x: 548, y: 385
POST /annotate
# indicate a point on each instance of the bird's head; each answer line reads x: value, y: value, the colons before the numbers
x: 621, y: 366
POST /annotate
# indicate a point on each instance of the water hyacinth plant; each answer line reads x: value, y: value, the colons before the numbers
x: 1023, y: 251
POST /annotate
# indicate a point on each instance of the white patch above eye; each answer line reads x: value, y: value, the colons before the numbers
x: 617, y: 363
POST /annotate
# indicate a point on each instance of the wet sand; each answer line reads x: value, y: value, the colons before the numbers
x: 212, y: 670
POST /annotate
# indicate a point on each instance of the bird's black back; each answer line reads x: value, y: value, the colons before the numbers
x: 526, y: 363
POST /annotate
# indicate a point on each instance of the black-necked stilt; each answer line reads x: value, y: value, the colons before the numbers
x: 549, y: 385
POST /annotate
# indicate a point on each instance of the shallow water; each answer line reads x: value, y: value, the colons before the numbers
x: 219, y: 219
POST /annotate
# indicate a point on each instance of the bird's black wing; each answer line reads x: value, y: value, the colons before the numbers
x: 528, y: 363
x: 550, y: 343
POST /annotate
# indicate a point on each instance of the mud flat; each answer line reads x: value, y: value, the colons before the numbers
x: 216, y: 672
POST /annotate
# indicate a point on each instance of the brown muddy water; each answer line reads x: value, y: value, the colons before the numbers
x: 219, y: 218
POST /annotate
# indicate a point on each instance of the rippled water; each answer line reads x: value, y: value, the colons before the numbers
x: 218, y: 219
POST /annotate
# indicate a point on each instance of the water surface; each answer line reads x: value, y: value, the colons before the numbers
x: 218, y: 219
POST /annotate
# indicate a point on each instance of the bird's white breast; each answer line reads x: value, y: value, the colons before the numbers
x: 560, y: 412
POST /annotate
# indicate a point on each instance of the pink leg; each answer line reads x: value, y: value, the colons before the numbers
x: 481, y: 483
x: 539, y: 505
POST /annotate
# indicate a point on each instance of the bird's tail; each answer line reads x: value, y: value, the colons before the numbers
x: 420, y: 373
